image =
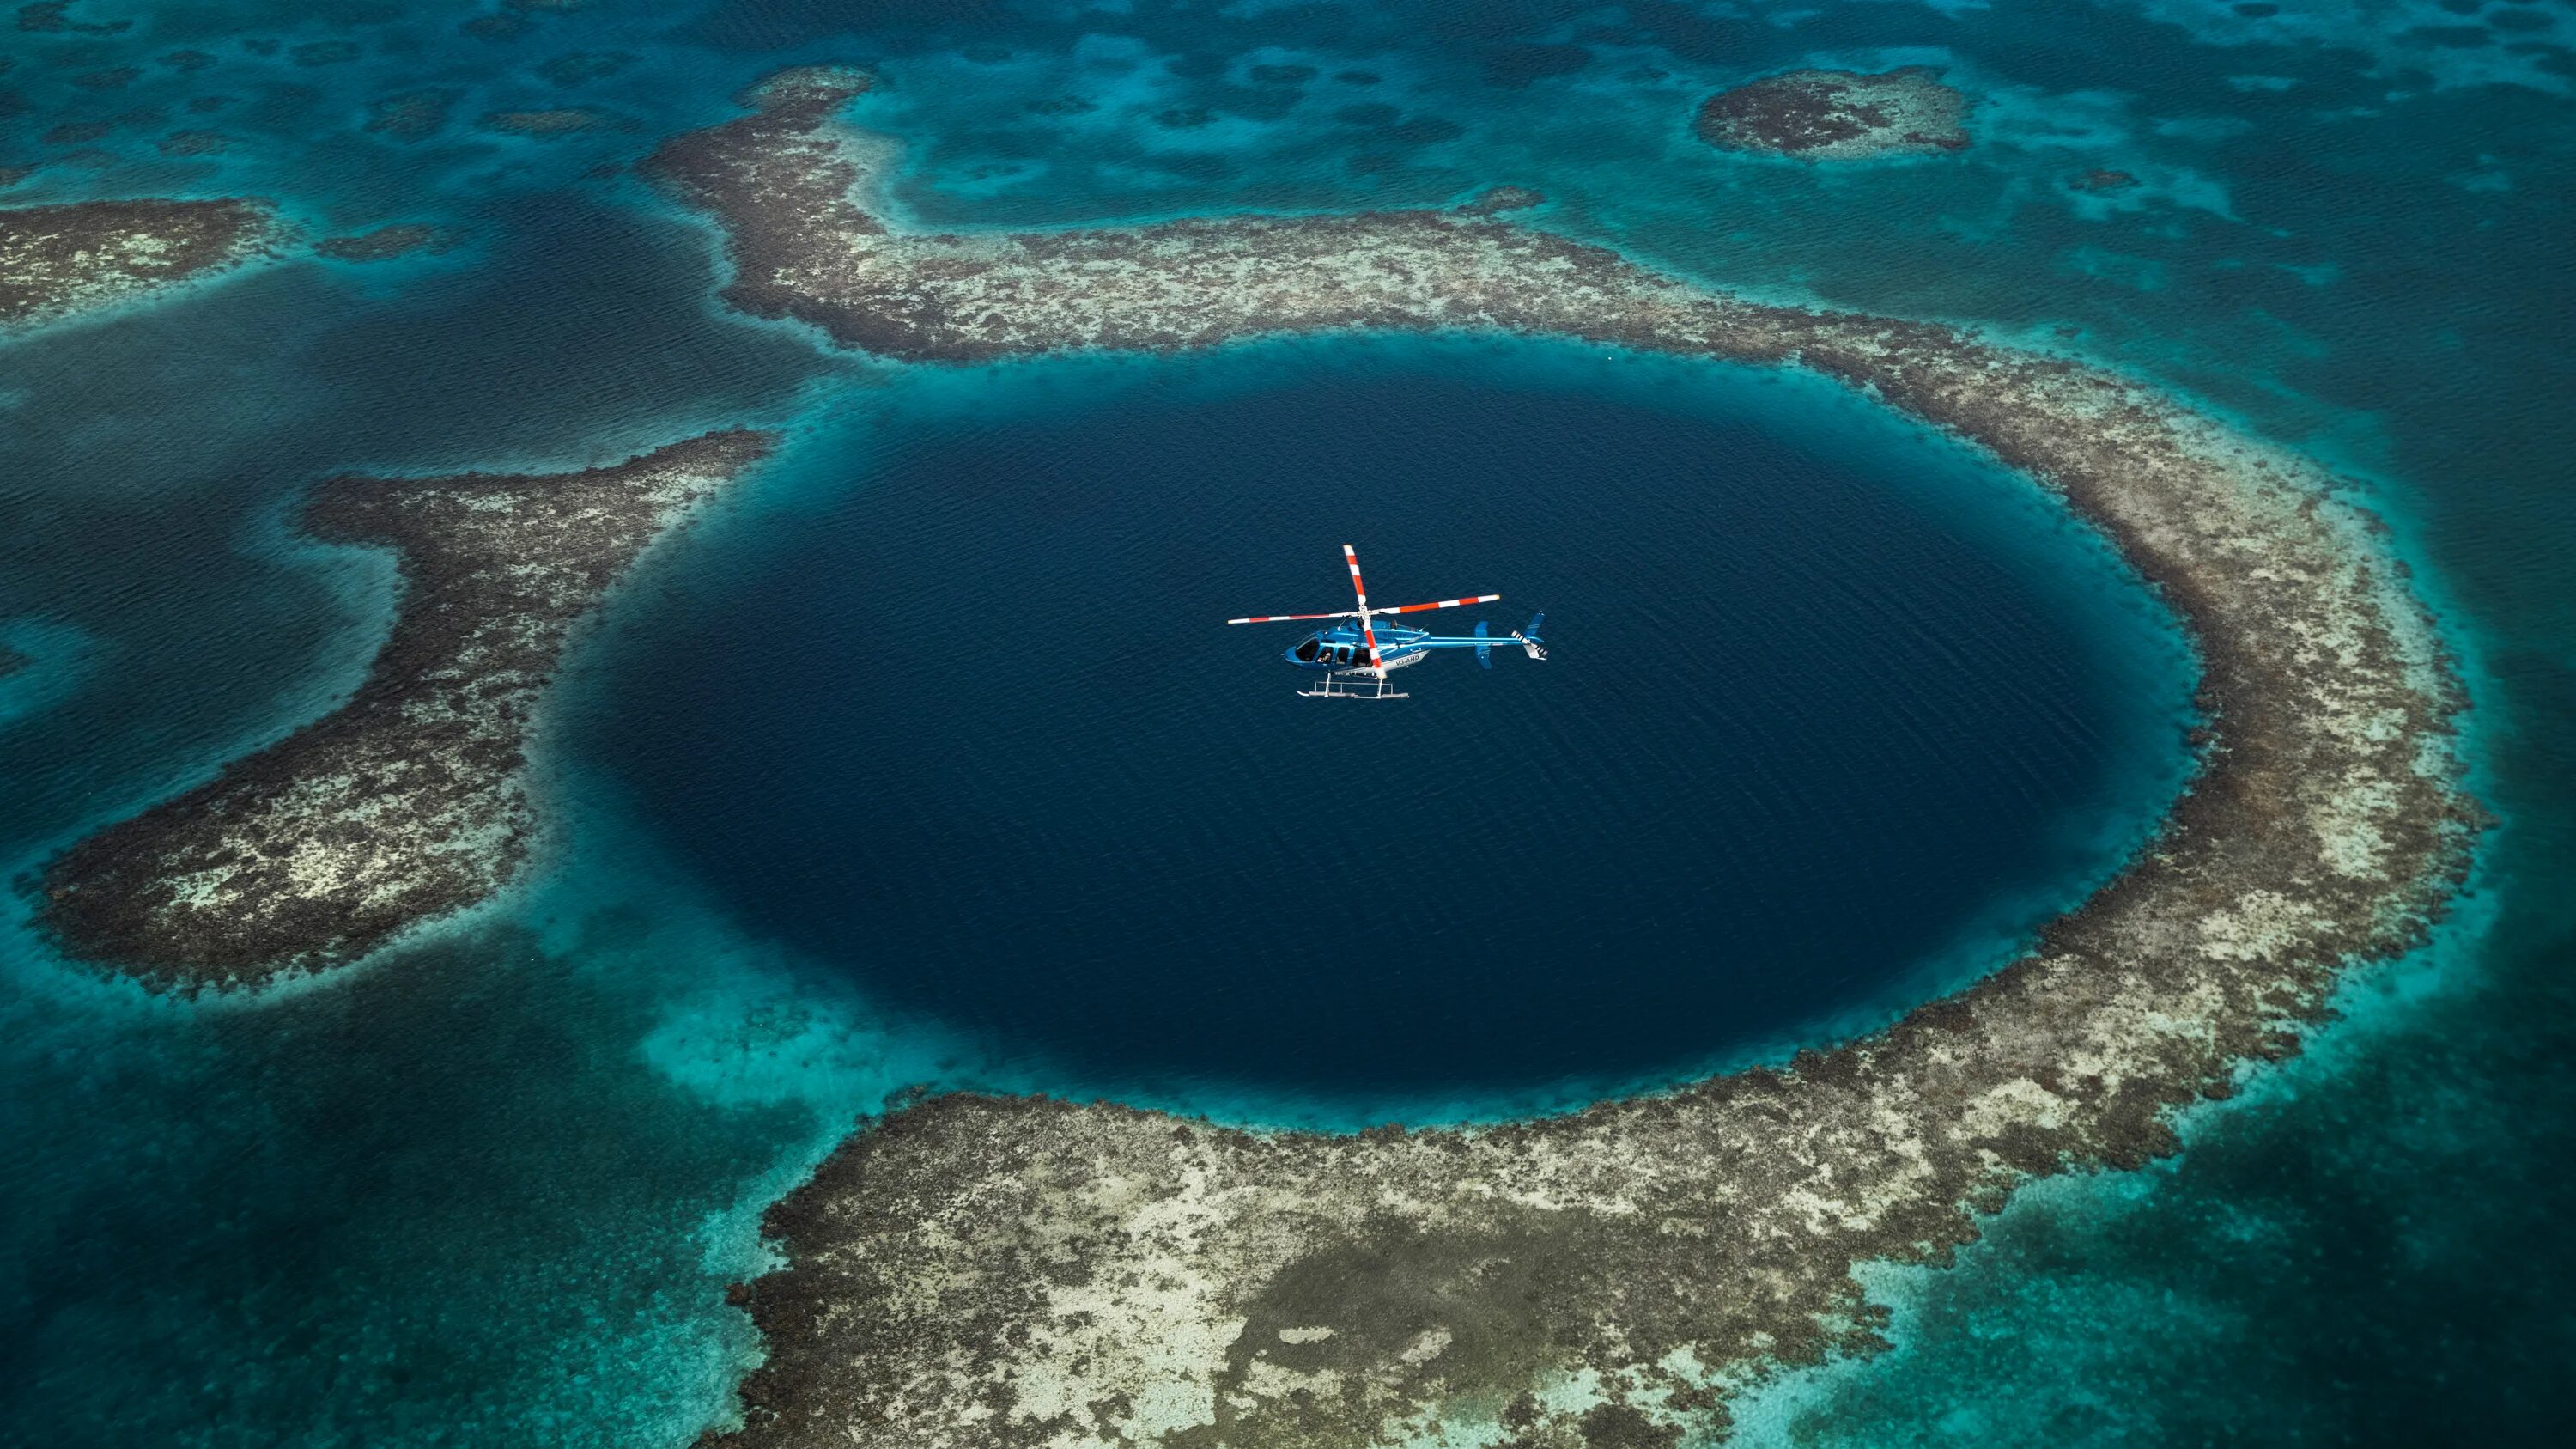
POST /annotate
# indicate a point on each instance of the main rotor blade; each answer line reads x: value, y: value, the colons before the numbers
x: 1280, y: 618
x: 1376, y: 662
x: 1443, y: 604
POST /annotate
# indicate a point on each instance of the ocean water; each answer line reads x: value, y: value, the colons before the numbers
x: 1843, y: 713
x: 488, y: 1190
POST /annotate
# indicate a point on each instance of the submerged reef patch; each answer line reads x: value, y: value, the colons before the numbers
x: 412, y: 799
x: 194, y: 143
x: 990, y: 1271
x: 49, y: 17
x: 551, y: 122
x: 1838, y: 115
x: 386, y: 243
x: 583, y: 66
x: 1494, y: 200
x: 60, y: 260
x: 412, y: 115
x: 2101, y: 179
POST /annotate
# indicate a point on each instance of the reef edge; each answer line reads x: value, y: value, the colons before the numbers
x: 61, y: 261
x: 1838, y: 115
x: 988, y: 1271
x: 410, y: 800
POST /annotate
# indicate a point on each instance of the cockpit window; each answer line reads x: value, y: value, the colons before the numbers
x: 1306, y: 650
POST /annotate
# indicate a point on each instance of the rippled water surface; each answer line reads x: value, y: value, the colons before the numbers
x: 1834, y: 712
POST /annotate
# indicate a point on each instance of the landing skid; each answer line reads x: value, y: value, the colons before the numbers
x: 1336, y: 686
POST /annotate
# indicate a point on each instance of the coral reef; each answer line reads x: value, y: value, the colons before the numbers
x: 194, y: 143
x: 412, y: 799
x: 2101, y: 179
x: 48, y: 17
x: 411, y: 115
x: 994, y: 1272
x: 1838, y: 115
x: 581, y: 66
x: 59, y: 260
x: 388, y: 242
x: 553, y: 122
x: 1494, y: 200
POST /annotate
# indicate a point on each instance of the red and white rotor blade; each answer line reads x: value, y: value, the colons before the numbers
x: 1376, y: 661
x: 1282, y: 618
x: 1442, y: 604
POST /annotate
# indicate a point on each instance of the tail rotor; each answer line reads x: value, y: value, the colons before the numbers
x: 1527, y: 638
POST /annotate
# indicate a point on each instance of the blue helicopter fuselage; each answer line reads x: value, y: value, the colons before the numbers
x: 1343, y: 646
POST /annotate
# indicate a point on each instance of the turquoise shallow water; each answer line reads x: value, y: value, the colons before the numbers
x: 488, y: 1191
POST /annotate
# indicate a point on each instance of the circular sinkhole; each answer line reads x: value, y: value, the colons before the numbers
x: 1834, y: 714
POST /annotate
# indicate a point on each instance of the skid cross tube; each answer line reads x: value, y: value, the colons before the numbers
x: 1358, y: 684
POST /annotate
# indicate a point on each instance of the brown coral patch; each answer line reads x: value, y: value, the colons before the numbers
x: 56, y: 260
x: 388, y: 242
x: 411, y: 115
x: 411, y: 799
x: 552, y: 122
x: 1817, y: 115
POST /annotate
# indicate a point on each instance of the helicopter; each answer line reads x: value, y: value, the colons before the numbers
x: 1355, y: 659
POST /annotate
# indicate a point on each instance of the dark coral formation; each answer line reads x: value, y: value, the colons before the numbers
x: 805, y: 96
x: 2101, y: 179
x: 1495, y: 200
x: 582, y: 66
x: 412, y: 115
x: 113, y: 78
x: 52, y: 17
x: 552, y: 122
x: 386, y: 243
x: 58, y: 260
x: 411, y: 800
x: 194, y: 143
x: 979, y: 1271
x: 1838, y: 115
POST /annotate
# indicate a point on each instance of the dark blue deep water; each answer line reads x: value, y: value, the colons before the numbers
x: 925, y: 761
x: 972, y: 731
